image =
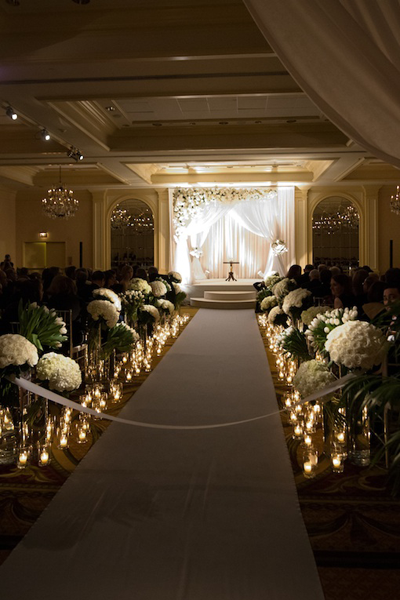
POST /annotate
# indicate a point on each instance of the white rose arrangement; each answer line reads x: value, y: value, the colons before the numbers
x: 295, y: 300
x: 272, y: 280
x: 106, y: 294
x: 62, y: 373
x: 17, y: 351
x: 268, y: 302
x: 140, y: 285
x: 276, y: 316
x: 103, y: 310
x: 166, y: 305
x: 158, y: 289
x: 312, y: 376
x: 356, y: 345
x: 324, y: 323
x: 283, y: 287
x: 175, y: 276
x: 307, y: 316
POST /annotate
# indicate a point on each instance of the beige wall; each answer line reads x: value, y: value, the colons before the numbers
x: 7, y: 225
x: 30, y: 220
x: 388, y: 228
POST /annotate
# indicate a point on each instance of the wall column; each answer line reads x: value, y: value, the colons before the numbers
x: 302, y: 226
x: 101, y: 233
x: 371, y: 227
x: 164, y: 233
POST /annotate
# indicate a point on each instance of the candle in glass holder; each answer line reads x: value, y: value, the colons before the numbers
x: 310, y: 462
x: 297, y: 431
x: 44, y: 456
x: 22, y: 458
x: 63, y: 441
x: 337, y: 463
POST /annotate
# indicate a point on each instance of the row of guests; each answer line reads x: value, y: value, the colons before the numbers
x: 72, y: 291
x: 364, y: 288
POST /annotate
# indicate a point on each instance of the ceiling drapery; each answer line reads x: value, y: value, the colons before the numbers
x: 345, y: 55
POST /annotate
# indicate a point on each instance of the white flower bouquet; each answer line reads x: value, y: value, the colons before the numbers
x: 324, y: 323
x: 106, y: 294
x: 140, y: 285
x: 312, y: 376
x: 62, y: 373
x: 356, y: 345
x: 268, y: 302
x: 166, y: 306
x: 132, y: 300
x: 296, y: 301
x: 175, y: 276
x: 41, y: 326
x: 121, y: 338
x: 148, y: 314
x: 276, y: 316
x: 283, y: 287
x: 307, y: 316
x: 158, y: 289
x: 272, y: 280
x: 103, y: 311
x: 17, y: 351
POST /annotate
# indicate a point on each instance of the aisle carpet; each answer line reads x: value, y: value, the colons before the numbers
x: 180, y: 514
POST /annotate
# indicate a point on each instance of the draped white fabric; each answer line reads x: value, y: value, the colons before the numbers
x: 345, y: 56
x: 240, y: 231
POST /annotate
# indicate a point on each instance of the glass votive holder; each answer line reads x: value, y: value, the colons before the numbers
x: 44, y: 455
x: 82, y: 432
x: 62, y: 435
x: 23, y: 457
x: 337, y: 460
x: 297, y: 431
x: 310, y: 462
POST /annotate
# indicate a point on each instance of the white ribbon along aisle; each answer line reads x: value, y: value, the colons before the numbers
x: 49, y: 395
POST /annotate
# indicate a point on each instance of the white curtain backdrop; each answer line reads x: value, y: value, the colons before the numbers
x: 245, y: 236
x: 345, y: 55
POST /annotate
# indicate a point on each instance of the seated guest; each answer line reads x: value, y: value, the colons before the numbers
x: 141, y: 273
x: 152, y: 273
x: 305, y: 277
x: 374, y: 304
x: 391, y: 294
x: 126, y: 276
x: 70, y: 272
x: 359, y: 276
x: 322, y: 293
x: 110, y: 279
x: 313, y: 281
x: 341, y: 291
x: 63, y: 296
x: 30, y: 291
x: 368, y: 281
x: 294, y: 272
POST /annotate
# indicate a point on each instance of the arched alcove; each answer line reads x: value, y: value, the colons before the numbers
x: 132, y: 233
x: 336, y: 233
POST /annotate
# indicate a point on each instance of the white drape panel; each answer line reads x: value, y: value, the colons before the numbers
x: 345, y: 56
x: 229, y: 240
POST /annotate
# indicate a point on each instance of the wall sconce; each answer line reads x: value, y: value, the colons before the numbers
x: 43, y: 234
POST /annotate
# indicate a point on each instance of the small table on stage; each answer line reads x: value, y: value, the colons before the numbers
x: 230, y: 275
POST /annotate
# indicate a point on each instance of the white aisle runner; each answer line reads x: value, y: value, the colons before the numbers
x: 154, y: 514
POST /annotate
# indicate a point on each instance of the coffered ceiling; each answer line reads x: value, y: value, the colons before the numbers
x: 157, y: 93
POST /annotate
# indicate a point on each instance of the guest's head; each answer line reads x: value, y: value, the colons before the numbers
x: 308, y: 268
x: 294, y: 272
x: 23, y: 273
x: 126, y: 273
x: 340, y: 284
x: 359, y: 276
x: 321, y: 267
x: 141, y: 273
x: 110, y: 278
x: 35, y: 275
x: 31, y: 291
x: 98, y: 278
x: 391, y: 294
x: 368, y: 281
x: 62, y: 285
x: 314, y: 274
x: 375, y: 291
x: 152, y: 273
x: 392, y: 277
x: 335, y: 271
x: 70, y: 272
x: 325, y: 276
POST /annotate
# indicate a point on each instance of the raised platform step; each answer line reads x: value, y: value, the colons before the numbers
x: 218, y: 295
x: 222, y: 304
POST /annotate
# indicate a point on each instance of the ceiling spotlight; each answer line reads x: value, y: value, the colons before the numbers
x: 11, y: 113
x: 75, y: 154
x: 44, y: 134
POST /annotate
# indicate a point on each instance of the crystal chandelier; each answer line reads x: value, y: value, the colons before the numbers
x: 60, y: 202
x: 120, y: 218
x: 347, y: 218
x: 142, y: 223
x: 395, y: 202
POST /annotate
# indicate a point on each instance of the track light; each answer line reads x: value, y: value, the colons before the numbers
x: 44, y: 134
x: 75, y: 154
x: 11, y: 113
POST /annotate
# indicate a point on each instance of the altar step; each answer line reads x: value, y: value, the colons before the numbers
x: 225, y: 300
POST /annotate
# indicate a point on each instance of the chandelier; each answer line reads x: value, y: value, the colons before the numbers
x: 120, y: 218
x: 142, y: 223
x: 346, y: 218
x: 60, y: 203
x: 395, y: 202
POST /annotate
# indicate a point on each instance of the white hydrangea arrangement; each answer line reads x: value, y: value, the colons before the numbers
x: 283, y: 287
x: 62, y: 373
x: 324, y: 323
x: 294, y: 302
x: 312, y: 376
x: 165, y: 282
x: 307, y: 316
x: 166, y: 305
x: 140, y: 285
x: 276, y: 316
x: 175, y: 276
x: 272, y: 280
x: 106, y: 294
x: 356, y: 345
x: 177, y: 287
x: 158, y: 289
x: 148, y: 310
x: 268, y: 302
x: 17, y: 351
x: 104, y: 311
